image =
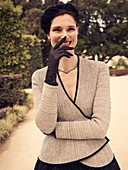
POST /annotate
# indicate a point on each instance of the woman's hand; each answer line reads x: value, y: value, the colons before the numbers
x: 55, y: 55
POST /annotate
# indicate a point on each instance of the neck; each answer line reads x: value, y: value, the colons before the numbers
x: 67, y: 63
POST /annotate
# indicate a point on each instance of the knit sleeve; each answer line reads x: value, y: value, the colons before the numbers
x: 45, y: 105
x: 97, y: 126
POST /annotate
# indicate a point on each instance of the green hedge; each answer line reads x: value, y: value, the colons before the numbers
x: 10, y: 90
x: 20, y: 53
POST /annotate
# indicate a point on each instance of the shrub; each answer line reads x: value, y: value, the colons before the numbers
x: 10, y: 94
x: 119, y: 72
x: 19, y: 53
x: 35, y: 61
x: 3, y: 112
x: 14, y: 116
x: 29, y: 101
x: 12, y: 50
x: 5, y: 129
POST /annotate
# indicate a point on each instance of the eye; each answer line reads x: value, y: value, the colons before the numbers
x: 71, y: 29
x: 56, y: 29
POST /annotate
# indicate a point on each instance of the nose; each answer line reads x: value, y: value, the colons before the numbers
x: 65, y: 33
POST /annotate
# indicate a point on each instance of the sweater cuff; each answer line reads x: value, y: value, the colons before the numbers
x: 50, y: 92
x: 51, y: 83
x: 53, y: 133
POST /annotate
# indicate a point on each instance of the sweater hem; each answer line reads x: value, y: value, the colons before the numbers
x: 86, y: 157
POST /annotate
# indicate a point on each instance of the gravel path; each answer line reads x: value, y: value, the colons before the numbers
x: 21, y: 150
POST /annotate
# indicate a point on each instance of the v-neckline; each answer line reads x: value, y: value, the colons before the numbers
x: 77, y: 82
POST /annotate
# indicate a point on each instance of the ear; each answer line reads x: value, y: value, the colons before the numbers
x: 48, y: 36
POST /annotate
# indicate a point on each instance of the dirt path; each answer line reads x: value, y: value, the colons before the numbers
x: 21, y: 150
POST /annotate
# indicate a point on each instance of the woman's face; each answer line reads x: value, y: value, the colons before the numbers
x: 63, y: 25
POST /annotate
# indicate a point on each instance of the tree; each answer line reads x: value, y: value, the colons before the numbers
x: 18, y: 2
x: 28, y: 4
x: 19, y: 53
x: 12, y: 50
x: 32, y: 22
x: 51, y: 2
x: 103, y: 27
x: 33, y: 45
x: 115, y: 17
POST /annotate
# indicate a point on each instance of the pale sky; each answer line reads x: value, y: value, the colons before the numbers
x: 64, y: 1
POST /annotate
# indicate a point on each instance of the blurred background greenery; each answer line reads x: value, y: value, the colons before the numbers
x: 24, y: 47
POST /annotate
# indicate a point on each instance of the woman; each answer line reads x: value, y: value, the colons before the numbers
x: 71, y: 101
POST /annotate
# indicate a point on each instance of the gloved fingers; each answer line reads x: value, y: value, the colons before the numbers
x: 65, y: 48
x: 64, y: 55
x: 65, y: 52
x: 59, y: 43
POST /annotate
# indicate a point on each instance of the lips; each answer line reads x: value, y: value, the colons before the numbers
x: 66, y: 44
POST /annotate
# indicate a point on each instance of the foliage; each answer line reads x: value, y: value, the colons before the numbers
x: 3, y: 112
x: 19, y: 53
x: 49, y: 3
x: 103, y: 27
x: 12, y: 50
x: 35, y: 61
x: 28, y: 4
x: 10, y: 94
x: 123, y: 63
x: 14, y: 116
x: 29, y: 100
x: 32, y: 22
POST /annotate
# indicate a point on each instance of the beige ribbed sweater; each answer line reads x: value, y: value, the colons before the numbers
x: 81, y: 125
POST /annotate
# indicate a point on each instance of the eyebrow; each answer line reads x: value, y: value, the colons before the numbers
x: 60, y: 27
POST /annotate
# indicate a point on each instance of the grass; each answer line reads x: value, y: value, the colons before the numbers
x: 14, y: 116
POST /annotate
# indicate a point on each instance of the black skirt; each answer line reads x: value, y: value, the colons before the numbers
x: 113, y: 165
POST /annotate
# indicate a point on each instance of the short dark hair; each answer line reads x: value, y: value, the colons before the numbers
x: 55, y: 11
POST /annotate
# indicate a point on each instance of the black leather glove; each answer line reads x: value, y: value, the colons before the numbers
x: 55, y: 55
